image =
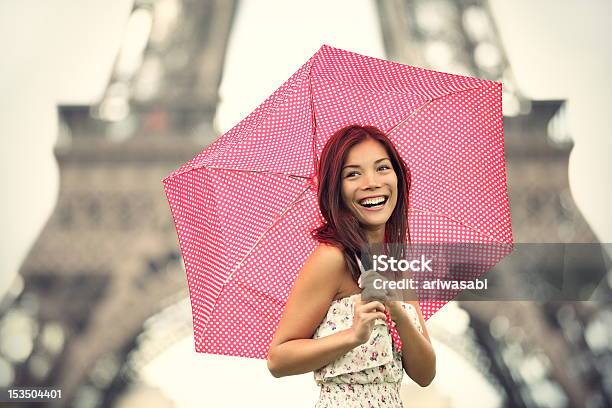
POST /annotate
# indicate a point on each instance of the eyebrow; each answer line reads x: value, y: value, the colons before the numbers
x: 358, y: 166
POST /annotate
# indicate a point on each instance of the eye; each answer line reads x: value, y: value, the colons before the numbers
x: 350, y: 174
x: 384, y: 167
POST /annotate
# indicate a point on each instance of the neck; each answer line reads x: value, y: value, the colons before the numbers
x: 375, y: 235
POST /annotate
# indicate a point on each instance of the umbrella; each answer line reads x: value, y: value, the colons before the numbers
x: 244, y: 207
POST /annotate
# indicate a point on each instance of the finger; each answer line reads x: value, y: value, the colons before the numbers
x: 373, y: 305
x: 373, y: 316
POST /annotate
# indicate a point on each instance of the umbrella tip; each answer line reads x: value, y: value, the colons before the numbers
x: 313, y: 182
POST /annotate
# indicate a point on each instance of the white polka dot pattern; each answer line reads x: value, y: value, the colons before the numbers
x: 244, y: 207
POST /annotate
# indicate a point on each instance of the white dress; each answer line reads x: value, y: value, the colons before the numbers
x: 370, y: 375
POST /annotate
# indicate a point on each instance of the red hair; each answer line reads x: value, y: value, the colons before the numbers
x: 340, y: 227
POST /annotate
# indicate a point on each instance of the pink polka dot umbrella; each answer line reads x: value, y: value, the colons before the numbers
x: 244, y: 207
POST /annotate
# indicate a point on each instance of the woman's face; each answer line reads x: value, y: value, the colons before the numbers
x: 369, y: 184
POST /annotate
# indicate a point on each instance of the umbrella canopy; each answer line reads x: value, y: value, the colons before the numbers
x: 244, y: 207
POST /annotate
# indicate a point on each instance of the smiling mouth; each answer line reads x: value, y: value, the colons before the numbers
x: 375, y: 202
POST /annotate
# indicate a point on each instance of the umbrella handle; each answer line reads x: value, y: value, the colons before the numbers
x: 361, y: 268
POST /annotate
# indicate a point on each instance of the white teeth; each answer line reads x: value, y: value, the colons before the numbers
x: 373, y: 201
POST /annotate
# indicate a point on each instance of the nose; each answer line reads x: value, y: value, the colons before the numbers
x: 370, y: 181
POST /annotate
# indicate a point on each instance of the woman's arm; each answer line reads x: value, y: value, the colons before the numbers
x: 304, y: 355
x: 292, y: 350
x: 418, y: 356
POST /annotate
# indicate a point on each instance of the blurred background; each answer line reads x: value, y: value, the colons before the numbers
x: 101, y: 100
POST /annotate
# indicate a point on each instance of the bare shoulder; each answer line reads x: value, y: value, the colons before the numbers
x: 314, y: 289
x: 323, y: 271
x: 329, y: 257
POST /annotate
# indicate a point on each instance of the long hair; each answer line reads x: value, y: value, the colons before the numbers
x: 340, y: 227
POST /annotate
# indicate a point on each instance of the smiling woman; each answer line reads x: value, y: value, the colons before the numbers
x: 362, y: 164
x: 326, y: 326
x: 369, y: 186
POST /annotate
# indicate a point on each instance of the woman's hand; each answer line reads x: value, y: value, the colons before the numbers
x: 395, y: 309
x: 392, y: 299
x: 393, y: 303
x: 365, y: 313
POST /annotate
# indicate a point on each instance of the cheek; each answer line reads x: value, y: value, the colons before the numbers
x: 393, y: 184
x: 392, y: 181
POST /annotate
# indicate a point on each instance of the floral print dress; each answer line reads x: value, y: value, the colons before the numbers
x: 368, y: 376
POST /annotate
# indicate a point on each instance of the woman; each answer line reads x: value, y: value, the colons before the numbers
x: 326, y: 326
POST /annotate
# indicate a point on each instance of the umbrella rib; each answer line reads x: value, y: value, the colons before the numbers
x: 295, y: 176
x: 491, y: 237
x: 417, y: 110
x: 314, y: 127
x: 427, y: 103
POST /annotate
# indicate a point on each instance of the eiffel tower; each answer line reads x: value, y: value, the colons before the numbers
x: 107, y: 259
x: 105, y: 272
x: 546, y: 340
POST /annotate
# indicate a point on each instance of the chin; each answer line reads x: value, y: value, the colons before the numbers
x: 375, y: 222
